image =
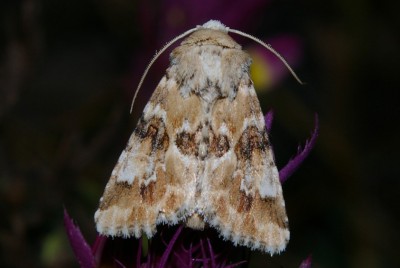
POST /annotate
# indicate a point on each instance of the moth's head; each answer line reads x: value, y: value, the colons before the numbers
x: 214, y: 25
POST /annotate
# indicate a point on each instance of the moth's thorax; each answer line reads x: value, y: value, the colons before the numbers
x: 209, y: 63
x: 210, y: 37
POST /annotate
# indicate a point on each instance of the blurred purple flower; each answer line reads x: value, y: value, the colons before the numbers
x: 177, y: 15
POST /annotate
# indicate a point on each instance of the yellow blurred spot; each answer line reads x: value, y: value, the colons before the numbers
x: 53, y: 247
x: 260, y: 72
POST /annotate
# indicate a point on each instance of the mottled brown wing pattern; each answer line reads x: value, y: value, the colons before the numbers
x: 242, y: 194
x: 149, y: 184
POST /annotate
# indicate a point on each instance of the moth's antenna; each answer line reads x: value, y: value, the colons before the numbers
x: 167, y: 45
x: 269, y: 47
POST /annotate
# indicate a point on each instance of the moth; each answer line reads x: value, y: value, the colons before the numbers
x: 200, y: 153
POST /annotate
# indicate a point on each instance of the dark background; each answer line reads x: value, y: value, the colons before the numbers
x: 68, y: 70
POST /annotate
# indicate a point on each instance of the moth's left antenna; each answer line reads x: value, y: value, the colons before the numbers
x: 155, y: 58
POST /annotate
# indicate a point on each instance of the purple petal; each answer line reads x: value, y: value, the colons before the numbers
x: 269, y: 117
x: 203, y: 253
x: 139, y: 253
x: 191, y: 255
x: 168, y: 251
x: 212, y: 255
x: 306, y: 263
x: 294, y: 163
x: 183, y: 256
x: 82, y: 250
x: 98, y: 246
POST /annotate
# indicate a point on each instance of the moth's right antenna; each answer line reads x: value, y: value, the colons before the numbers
x: 155, y: 58
x: 269, y: 47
